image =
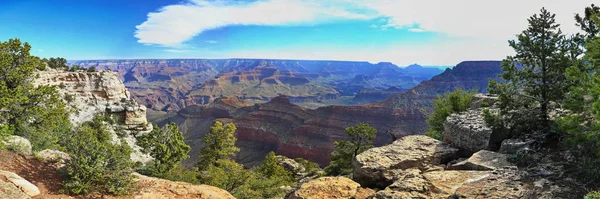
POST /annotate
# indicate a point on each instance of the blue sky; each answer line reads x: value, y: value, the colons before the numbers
x: 435, y: 32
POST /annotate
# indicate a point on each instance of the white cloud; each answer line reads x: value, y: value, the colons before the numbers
x: 176, y: 51
x: 481, y: 27
x: 175, y: 24
x: 443, y: 53
x: 474, y: 18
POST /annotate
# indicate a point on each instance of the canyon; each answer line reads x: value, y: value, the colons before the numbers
x: 173, y: 84
x: 294, y: 131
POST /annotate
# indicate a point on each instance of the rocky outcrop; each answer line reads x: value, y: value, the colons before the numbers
x: 481, y: 100
x: 512, y: 146
x: 468, y: 130
x: 484, y: 160
x: 17, y: 144
x: 91, y: 93
x: 155, y: 188
x: 51, y: 155
x: 299, y: 171
x: 24, y: 185
x: 330, y: 187
x: 379, y: 167
x: 10, y: 191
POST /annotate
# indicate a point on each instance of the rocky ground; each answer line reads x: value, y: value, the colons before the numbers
x: 467, y: 164
x: 41, y: 179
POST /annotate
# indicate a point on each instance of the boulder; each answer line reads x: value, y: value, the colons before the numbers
x: 380, y: 166
x: 18, y: 144
x: 468, y: 131
x: 483, y: 160
x: 446, y: 182
x: 21, y: 183
x: 409, y: 184
x: 481, y: 100
x: 10, y: 191
x: 52, y: 155
x: 155, y: 188
x: 502, y: 183
x: 329, y: 187
x: 291, y: 165
x: 512, y: 146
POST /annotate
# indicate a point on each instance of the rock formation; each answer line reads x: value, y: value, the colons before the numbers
x: 260, y: 82
x: 330, y: 187
x: 91, y: 93
x: 24, y: 185
x: 18, y: 144
x: 468, y: 75
x: 379, y: 167
x: 294, y: 131
x: 421, y: 167
x: 167, y: 85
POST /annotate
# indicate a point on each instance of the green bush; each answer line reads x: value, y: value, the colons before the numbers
x: 167, y: 148
x: 361, y: 139
x: 592, y: 195
x: 95, y: 164
x: 443, y: 106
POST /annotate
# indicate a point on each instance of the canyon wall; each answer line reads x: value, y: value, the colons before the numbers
x: 294, y: 131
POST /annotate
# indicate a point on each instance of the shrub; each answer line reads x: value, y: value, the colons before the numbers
x: 167, y: 148
x: 443, y: 106
x: 592, y: 195
x: 361, y: 139
x: 96, y: 164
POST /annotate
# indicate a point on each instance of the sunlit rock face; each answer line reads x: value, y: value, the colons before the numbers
x: 91, y: 93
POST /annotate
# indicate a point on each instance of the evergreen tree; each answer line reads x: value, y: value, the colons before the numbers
x: 220, y: 144
x: 166, y: 146
x: 443, y: 106
x: 361, y: 139
x: 581, y: 126
x: 57, y: 63
x: 96, y: 164
x: 34, y: 112
x: 269, y: 168
x: 587, y: 23
x: 270, y: 177
x: 543, y: 53
x: 230, y: 176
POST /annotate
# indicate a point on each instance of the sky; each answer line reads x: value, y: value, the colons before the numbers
x: 428, y: 32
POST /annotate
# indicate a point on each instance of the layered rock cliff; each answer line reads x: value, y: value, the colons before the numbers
x: 291, y: 130
x: 294, y: 131
x: 170, y: 85
x: 468, y: 75
x: 91, y: 93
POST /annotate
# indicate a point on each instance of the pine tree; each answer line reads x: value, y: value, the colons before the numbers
x: 535, y: 76
x: 581, y: 125
x: 34, y: 112
x: 361, y: 139
x: 220, y: 144
x: 587, y: 23
x: 166, y: 146
x: 96, y: 164
x: 443, y: 106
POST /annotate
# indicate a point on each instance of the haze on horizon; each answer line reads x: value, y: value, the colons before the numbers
x: 436, y: 32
